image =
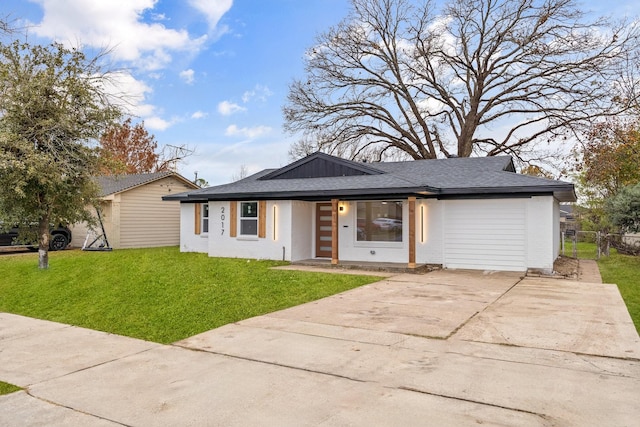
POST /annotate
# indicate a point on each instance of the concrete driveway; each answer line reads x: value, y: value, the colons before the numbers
x: 445, y: 348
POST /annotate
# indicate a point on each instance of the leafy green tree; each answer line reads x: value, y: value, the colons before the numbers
x: 606, y: 162
x: 624, y: 209
x: 611, y: 157
x: 52, y: 110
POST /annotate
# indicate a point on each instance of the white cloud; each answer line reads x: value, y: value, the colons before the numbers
x: 199, y: 115
x: 430, y: 105
x: 212, y: 9
x: 227, y: 108
x: 251, y: 133
x: 187, y: 76
x: 259, y: 92
x: 129, y: 93
x: 156, y: 123
x: 115, y: 24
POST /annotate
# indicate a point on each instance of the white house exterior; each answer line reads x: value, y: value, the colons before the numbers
x: 315, y: 209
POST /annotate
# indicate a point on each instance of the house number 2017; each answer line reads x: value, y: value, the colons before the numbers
x: 222, y: 221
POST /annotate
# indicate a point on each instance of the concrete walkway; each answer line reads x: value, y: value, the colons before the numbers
x: 588, y: 271
x: 447, y: 348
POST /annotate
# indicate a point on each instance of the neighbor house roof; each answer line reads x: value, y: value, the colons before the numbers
x: 320, y: 176
x: 114, y: 184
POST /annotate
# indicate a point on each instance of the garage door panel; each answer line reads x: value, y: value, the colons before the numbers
x: 513, y: 233
x: 485, y: 234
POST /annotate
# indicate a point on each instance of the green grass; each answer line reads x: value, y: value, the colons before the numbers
x: 156, y: 294
x: 623, y: 270
x: 6, y: 388
x: 584, y: 250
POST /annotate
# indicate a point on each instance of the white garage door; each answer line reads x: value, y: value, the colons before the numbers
x: 485, y: 234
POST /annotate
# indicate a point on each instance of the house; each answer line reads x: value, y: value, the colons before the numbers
x: 568, y: 221
x: 472, y: 213
x: 133, y: 213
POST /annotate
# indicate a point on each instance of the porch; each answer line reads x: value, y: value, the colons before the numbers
x: 385, y: 267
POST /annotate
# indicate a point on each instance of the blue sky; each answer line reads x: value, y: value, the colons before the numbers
x: 209, y: 74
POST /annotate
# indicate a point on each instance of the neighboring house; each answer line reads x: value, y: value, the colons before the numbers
x: 632, y: 239
x: 474, y: 213
x: 133, y: 213
x: 567, y: 217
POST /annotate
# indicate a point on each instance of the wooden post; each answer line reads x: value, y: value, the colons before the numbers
x: 262, y: 219
x: 233, y: 219
x: 412, y: 232
x: 198, y: 219
x: 334, y: 232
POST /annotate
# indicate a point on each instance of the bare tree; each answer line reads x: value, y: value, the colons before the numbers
x: 242, y: 173
x: 171, y: 155
x: 7, y: 25
x: 479, y: 77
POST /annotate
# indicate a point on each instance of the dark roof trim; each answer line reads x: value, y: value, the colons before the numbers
x: 314, y: 195
x: 521, y: 189
x: 560, y: 193
x: 316, y: 166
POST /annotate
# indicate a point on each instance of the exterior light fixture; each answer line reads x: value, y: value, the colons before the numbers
x: 275, y: 221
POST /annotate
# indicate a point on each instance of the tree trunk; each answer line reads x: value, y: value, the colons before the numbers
x: 43, y: 243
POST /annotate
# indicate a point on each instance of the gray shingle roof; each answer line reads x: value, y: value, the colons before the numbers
x: 119, y: 183
x: 439, y: 177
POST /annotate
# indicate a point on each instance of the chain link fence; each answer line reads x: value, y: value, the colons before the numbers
x: 595, y: 244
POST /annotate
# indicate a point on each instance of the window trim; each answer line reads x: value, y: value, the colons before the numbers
x: 204, y: 220
x: 381, y: 243
x: 255, y: 218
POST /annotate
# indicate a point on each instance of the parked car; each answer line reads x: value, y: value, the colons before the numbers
x: 59, y: 239
x: 388, y: 223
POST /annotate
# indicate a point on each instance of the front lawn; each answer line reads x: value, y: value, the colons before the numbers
x: 156, y: 294
x: 623, y: 270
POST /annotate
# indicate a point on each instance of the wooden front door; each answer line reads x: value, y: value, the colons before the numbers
x: 323, y: 230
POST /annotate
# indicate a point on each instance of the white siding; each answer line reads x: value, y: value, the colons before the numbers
x: 556, y: 229
x: 485, y: 234
x: 189, y: 240
x: 302, y: 234
x: 429, y: 226
x: 272, y: 246
x: 543, y: 232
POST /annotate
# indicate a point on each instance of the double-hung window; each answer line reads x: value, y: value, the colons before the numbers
x: 205, y: 218
x: 249, y: 218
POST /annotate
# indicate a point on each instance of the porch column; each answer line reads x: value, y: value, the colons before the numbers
x: 334, y: 231
x: 412, y: 232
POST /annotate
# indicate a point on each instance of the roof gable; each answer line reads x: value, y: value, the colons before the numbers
x: 320, y: 165
x: 113, y: 184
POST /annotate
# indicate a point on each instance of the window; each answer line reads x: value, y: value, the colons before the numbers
x: 249, y: 218
x: 379, y: 221
x: 205, y: 217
